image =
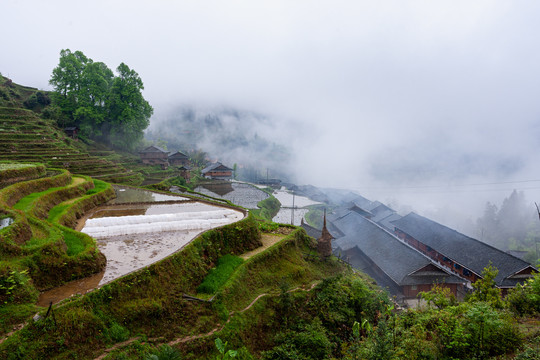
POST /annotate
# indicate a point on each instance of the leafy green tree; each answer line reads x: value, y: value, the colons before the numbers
x: 105, y: 107
x: 67, y: 80
x: 439, y: 296
x: 485, y: 289
x: 92, y: 112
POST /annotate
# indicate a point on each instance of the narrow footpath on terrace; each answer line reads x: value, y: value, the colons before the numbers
x: 268, y: 240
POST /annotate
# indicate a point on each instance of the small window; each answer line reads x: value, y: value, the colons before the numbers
x: 457, y: 266
x: 413, y: 287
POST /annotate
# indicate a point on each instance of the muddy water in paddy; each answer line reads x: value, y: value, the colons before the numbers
x: 134, y: 236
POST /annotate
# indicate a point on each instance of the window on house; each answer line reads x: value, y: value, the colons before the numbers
x: 413, y: 287
x: 457, y: 266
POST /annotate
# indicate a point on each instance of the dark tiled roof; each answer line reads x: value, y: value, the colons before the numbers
x: 153, y: 149
x: 178, y: 155
x: 311, y: 231
x: 382, y: 214
x: 215, y: 167
x: 469, y: 252
x: 391, y: 255
x: 387, y: 221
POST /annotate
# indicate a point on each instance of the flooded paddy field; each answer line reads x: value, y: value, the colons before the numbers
x: 286, y: 213
x: 241, y: 194
x: 284, y: 216
x: 126, y: 195
x: 133, y: 234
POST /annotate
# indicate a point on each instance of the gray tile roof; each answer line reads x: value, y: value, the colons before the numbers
x: 311, y: 231
x: 178, y: 155
x: 387, y: 221
x: 469, y: 252
x: 153, y: 149
x: 215, y: 166
x: 396, y: 259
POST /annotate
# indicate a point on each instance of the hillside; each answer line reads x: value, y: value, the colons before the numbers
x: 271, y: 299
x: 29, y: 133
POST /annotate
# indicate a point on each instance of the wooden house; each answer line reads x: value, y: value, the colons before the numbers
x: 154, y: 155
x: 391, y: 263
x: 217, y: 171
x: 72, y: 132
x: 179, y: 159
x: 463, y: 255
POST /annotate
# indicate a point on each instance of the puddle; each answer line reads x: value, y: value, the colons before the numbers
x: 81, y: 286
x: 5, y: 222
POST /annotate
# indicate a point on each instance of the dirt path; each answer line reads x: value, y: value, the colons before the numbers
x: 267, y: 240
x: 219, y: 327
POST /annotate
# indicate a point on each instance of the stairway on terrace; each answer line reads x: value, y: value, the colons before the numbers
x: 24, y: 137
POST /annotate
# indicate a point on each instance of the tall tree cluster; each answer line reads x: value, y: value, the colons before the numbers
x: 514, y: 226
x: 105, y: 107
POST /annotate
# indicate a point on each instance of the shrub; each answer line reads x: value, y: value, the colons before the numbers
x: 31, y: 102
x: 525, y: 299
x: 305, y: 342
x: 117, y: 333
x: 165, y: 352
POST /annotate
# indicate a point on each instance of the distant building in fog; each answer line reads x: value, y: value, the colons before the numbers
x: 217, y: 171
x: 154, y: 155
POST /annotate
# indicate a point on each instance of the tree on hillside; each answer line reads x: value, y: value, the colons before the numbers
x: 130, y: 112
x: 66, y: 79
x: 91, y: 112
x: 513, y: 226
x: 105, y: 107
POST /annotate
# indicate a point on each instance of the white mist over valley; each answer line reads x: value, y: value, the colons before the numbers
x: 425, y: 106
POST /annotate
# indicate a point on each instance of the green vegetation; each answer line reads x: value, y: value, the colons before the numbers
x: 217, y: 276
x: 268, y: 208
x: 38, y: 254
x: 105, y: 107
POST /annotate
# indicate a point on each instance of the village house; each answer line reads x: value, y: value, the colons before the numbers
x: 179, y: 159
x: 217, y: 171
x: 72, y: 132
x: 394, y: 265
x: 154, y: 155
x: 463, y: 255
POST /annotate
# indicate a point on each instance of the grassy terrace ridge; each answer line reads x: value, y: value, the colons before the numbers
x: 26, y: 137
x: 148, y: 302
x: 37, y: 254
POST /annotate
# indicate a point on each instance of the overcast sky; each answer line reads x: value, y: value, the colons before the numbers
x: 403, y: 100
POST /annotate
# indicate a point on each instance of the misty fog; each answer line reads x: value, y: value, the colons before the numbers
x: 426, y: 106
